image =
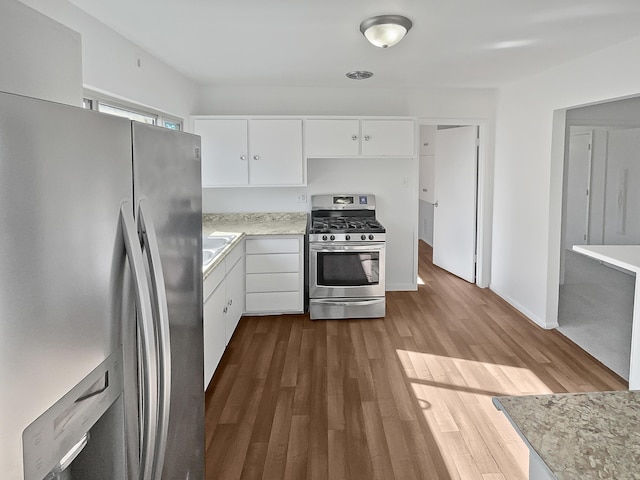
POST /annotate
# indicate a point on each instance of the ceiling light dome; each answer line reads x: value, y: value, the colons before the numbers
x: 385, y: 30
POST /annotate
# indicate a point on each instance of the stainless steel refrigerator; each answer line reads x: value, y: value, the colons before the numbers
x: 101, y: 359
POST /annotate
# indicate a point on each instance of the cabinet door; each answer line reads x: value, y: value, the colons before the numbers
x: 275, y: 149
x: 332, y: 138
x: 214, y: 332
x: 427, y: 174
x: 224, y: 151
x: 427, y: 139
x: 235, y: 298
x: 388, y: 138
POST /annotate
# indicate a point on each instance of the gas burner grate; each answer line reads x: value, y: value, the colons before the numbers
x: 345, y: 224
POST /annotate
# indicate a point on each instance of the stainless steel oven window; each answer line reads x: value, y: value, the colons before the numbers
x: 354, y: 289
x: 348, y: 269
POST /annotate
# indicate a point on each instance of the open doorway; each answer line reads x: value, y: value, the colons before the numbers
x: 448, y: 193
x: 595, y: 304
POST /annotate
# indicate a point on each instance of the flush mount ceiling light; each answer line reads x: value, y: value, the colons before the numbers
x: 385, y: 30
x: 359, y: 75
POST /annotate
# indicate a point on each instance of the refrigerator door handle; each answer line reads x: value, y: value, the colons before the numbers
x: 149, y: 241
x: 147, y: 341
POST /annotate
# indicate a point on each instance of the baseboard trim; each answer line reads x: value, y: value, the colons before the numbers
x: 527, y: 313
x: 402, y: 287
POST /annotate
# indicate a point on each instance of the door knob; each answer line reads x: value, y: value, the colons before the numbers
x: 435, y: 204
x: 243, y: 157
x: 256, y: 157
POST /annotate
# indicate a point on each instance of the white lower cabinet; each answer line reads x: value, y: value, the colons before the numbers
x: 214, y: 330
x: 223, y: 291
x: 275, y: 274
x: 235, y: 298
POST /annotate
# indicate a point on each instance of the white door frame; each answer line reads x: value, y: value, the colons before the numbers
x: 485, y: 191
x: 575, y: 131
x: 571, y: 132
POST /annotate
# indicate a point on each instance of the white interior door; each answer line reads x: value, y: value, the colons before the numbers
x: 578, y: 179
x: 454, y: 218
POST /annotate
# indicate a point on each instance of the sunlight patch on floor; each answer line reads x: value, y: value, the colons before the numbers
x: 420, y: 281
x: 455, y: 396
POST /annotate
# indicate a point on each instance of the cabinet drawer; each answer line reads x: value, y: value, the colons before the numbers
x: 273, y: 245
x: 273, y: 263
x: 273, y: 282
x: 274, y: 302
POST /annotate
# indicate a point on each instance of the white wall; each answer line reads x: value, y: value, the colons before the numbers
x: 398, y: 202
x: 426, y: 222
x: 528, y: 171
x: 109, y: 64
x: 38, y: 57
x: 357, y: 101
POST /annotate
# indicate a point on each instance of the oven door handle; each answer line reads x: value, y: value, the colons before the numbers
x: 369, y: 247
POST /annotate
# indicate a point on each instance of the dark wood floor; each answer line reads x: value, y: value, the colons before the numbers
x: 404, y: 397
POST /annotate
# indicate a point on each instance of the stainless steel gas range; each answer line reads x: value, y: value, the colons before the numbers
x: 346, y: 258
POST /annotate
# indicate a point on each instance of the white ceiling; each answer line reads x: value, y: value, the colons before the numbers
x: 453, y: 43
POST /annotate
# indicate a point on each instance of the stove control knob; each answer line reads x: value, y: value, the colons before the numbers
x: 324, y: 237
x: 370, y: 237
x: 347, y: 237
x: 363, y: 237
x: 332, y: 237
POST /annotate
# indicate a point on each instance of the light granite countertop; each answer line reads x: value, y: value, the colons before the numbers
x: 255, y: 224
x: 580, y: 436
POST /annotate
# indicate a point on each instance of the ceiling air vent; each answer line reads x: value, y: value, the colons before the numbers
x: 359, y: 75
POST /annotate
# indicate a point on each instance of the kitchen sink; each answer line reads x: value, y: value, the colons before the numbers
x: 212, y: 245
x: 207, y: 257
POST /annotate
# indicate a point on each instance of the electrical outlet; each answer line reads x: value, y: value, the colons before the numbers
x: 302, y: 198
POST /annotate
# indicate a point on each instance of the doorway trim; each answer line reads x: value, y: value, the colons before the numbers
x: 485, y: 190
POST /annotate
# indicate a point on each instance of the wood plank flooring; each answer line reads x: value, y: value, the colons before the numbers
x: 404, y: 397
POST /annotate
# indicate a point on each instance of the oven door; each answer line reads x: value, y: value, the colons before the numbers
x: 346, y: 270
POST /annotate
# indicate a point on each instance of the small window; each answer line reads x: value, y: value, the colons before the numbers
x: 130, y: 114
x: 172, y: 125
x: 122, y: 108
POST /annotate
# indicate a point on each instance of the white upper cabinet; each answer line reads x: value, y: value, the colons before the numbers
x: 275, y: 152
x: 332, y: 138
x: 359, y: 137
x: 388, y: 138
x: 238, y: 152
x: 224, y: 151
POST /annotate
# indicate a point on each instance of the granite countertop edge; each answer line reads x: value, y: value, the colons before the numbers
x: 284, y: 223
x: 603, y: 426
x: 249, y: 224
